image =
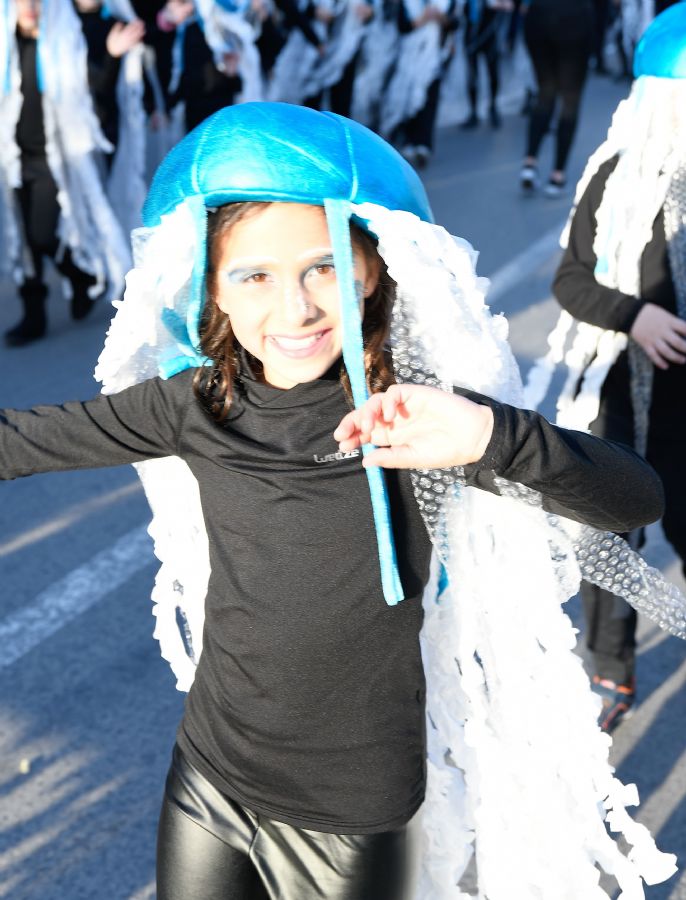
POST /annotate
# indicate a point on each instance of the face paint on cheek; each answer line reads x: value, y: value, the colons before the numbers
x: 359, y: 290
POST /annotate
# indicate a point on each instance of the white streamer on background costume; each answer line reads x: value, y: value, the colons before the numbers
x: 379, y: 53
x: 127, y: 185
x: 300, y: 71
x: 230, y: 31
x: 648, y: 134
x: 73, y: 138
x: 421, y: 58
x: 509, y: 767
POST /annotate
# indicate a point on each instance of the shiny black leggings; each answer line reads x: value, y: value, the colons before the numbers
x: 211, y: 848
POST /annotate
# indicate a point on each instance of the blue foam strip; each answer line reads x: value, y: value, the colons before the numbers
x: 338, y: 218
x: 197, y: 293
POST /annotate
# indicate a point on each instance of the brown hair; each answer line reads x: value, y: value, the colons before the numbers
x: 214, y: 384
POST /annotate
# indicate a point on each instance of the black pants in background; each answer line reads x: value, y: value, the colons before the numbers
x: 560, y: 43
x: 40, y: 213
x: 212, y: 848
x: 610, y: 621
x: 340, y: 94
x: 419, y: 130
x: 481, y: 39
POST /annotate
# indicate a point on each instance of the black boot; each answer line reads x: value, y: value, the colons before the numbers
x: 33, y: 324
x: 81, y: 301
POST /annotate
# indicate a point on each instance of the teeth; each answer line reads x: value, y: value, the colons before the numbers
x: 297, y: 343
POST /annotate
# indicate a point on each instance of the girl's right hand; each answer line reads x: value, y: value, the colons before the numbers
x: 661, y: 334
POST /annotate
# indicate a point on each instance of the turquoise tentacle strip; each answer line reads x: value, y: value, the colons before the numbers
x: 338, y: 219
x: 196, y: 300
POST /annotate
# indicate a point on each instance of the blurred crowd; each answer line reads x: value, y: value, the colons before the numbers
x: 95, y: 94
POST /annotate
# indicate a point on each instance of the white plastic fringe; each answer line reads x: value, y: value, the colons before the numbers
x: 379, y: 53
x: 127, y: 186
x: 498, y: 659
x: 136, y: 344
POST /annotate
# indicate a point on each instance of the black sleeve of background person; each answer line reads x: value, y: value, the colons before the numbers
x: 581, y: 477
x: 141, y: 422
x: 575, y: 285
x: 30, y: 133
x: 297, y: 19
x: 162, y: 43
x: 405, y: 25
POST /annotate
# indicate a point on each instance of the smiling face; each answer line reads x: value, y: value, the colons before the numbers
x: 275, y: 279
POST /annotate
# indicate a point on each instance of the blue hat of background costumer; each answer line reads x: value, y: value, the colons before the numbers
x: 278, y: 152
x: 661, y: 52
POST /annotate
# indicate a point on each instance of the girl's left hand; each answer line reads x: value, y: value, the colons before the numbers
x: 417, y: 427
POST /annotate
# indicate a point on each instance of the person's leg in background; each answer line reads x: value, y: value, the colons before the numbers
x: 542, y: 52
x: 471, y: 38
x: 419, y: 130
x: 341, y: 94
x: 491, y: 52
x: 40, y: 213
x: 573, y: 54
x: 37, y: 201
x: 667, y: 458
x: 602, y: 19
x: 610, y: 620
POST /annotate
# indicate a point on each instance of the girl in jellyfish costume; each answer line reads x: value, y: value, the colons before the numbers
x: 623, y: 280
x: 52, y: 201
x: 318, y: 401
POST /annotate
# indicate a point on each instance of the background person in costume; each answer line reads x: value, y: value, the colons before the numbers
x: 51, y: 196
x: 202, y: 86
x: 274, y: 22
x: 624, y: 272
x: 411, y: 103
x: 559, y: 37
x: 108, y: 41
x: 483, y: 21
x: 378, y: 58
x: 216, y: 59
x: 315, y: 76
x: 253, y: 315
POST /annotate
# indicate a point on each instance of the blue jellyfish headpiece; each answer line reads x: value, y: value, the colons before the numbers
x: 278, y: 152
x: 661, y: 52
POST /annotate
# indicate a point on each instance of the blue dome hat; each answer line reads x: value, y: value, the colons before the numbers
x: 247, y: 152
x: 277, y: 152
x: 661, y: 52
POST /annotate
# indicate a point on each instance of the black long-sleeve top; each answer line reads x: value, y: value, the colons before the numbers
x: 578, y: 292
x: 30, y: 133
x: 308, y: 701
x: 103, y: 72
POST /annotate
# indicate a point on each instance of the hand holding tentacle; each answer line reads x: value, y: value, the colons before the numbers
x: 417, y: 427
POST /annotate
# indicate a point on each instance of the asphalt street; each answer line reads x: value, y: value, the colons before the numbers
x: 88, y: 709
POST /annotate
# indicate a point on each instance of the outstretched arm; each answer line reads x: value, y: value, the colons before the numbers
x: 141, y: 422
x: 580, y: 476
